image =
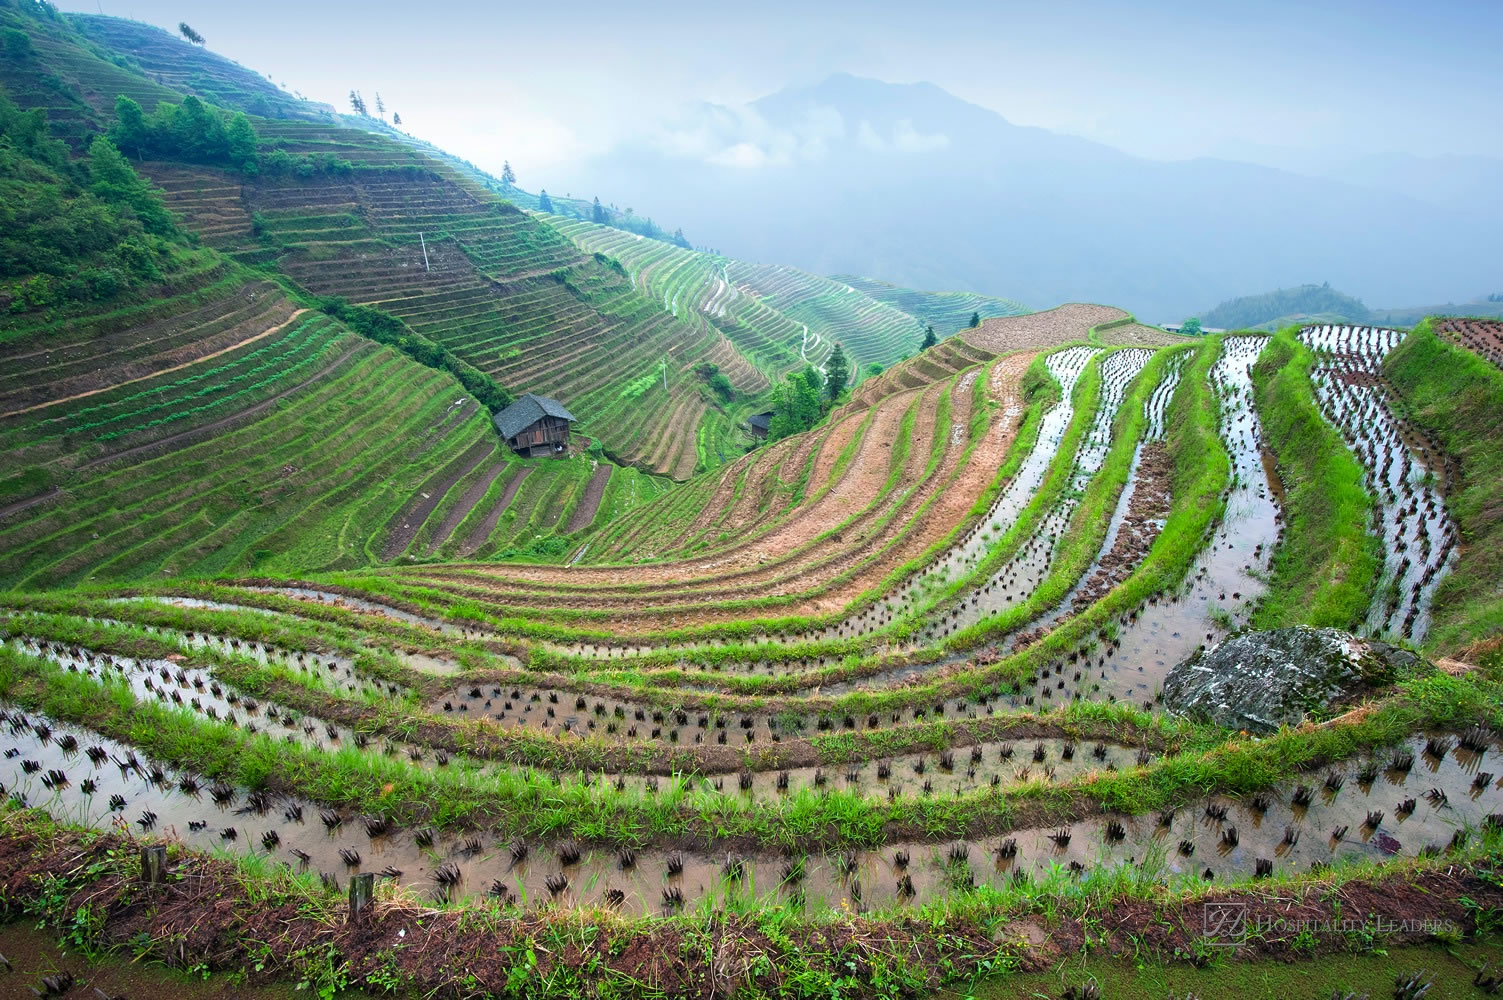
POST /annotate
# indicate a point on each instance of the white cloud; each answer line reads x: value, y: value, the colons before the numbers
x: 738, y: 136
x: 907, y: 139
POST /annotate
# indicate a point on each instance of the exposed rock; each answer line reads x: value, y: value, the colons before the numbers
x: 1259, y: 681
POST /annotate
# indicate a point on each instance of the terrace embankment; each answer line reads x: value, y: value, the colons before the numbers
x: 870, y: 513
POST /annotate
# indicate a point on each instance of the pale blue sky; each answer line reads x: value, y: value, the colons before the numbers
x: 543, y: 85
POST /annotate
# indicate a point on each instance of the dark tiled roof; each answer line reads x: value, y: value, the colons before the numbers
x: 761, y: 421
x: 527, y: 411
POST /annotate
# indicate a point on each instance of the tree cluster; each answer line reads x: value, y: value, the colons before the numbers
x: 74, y: 231
x: 1302, y: 300
x: 711, y: 375
x: 805, y: 397
x: 193, y: 132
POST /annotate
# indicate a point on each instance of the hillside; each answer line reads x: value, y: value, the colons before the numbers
x: 781, y: 317
x: 346, y: 212
x: 145, y: 372
x: 1287, y: 306
x: 947, y: 312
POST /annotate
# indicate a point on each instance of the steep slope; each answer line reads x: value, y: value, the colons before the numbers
x: 780, y: 317
x: 374, y: 220
x: 947, y: 312
x: 165, y: 411
x: 185, y: 68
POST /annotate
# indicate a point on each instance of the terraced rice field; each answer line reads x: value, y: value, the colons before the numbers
x: 171, y: 61
x: 503, y: 292
x: 305, y: 677
x: 905, y: 665
x: 922, y: 680
x: 137, y: 447
x: 949, y: 312
x: 1482, y: 336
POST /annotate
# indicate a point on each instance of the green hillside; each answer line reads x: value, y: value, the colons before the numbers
x: 948, y: 312
x: 1285, y: 306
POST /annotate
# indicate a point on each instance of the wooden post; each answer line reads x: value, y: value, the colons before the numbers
x: 362, y: 889
x: 154, y: 864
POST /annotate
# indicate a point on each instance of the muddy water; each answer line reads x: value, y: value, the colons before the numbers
x: 1222, y: 585
x: 34, y: 953
x: 1157, y: 407
x: 998, y: 764
x: 1223, y: 582
x: 335, y: 673
x: 1450, y: 793
x: 1419, y: 538
x: 1117, y: 373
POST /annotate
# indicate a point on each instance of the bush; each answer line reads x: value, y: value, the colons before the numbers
x: 17, y: 44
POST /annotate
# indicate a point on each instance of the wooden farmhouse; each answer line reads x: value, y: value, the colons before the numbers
x: 536, y: 425
x: 759, y: 423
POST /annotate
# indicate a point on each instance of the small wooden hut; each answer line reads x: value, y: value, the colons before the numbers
x: 759, y: 423
x: 536, y: 425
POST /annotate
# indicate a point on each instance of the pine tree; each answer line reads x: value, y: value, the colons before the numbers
x: 597, y: 214
x: 837, y: 372
x: 975, y: 320
x: 190, y: 34
x: 380, y: 107
x: 508, y: 175
x: 929, y: 338
x: 396, y: 119
x: 545, y: 204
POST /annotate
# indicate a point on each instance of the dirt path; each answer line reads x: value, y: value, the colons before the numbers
x: 19, y: 505
x: 472, y: 496
x: 584, y: 512
x: 405, y: 523
x: 483, y: 533
x: 165, y: 371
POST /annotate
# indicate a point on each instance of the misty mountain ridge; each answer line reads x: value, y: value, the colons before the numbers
x: 910, y: 184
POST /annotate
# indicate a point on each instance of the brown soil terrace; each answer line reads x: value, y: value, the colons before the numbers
x: 762, y: 567
x: 1040, y: 330
x: 206, y: 913
x: 1148, y: 506
x: 584, y: 513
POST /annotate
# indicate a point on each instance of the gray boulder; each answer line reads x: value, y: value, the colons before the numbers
x: 1260, y: 681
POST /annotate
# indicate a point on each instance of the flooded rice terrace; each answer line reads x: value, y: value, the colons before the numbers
x: 1404, y: 472
x: 1430, y: 795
